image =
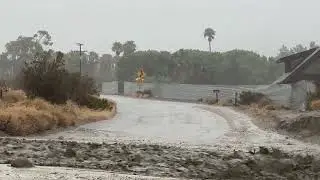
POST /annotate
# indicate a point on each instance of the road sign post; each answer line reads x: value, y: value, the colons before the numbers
x: 140, y: 78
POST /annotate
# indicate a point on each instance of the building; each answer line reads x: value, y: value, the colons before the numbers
x: 301, y: 66
x: 302, y: 71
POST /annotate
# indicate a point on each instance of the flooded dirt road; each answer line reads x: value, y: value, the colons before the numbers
x: 180, y: 124
x: 171, y: 139
x: 157, y: 122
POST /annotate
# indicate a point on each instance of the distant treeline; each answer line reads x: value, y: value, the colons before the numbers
x: 200, y: 67
x: 184, y: 66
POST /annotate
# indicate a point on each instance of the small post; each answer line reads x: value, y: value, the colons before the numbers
x: 216, y: 91
x: 236, y: 99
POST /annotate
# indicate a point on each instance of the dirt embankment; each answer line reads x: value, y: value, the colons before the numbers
x: 304, y: 126
x: 164, y: 161
x: 20, y: 116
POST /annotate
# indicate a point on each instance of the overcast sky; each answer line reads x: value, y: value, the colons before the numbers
x: 258, y: 25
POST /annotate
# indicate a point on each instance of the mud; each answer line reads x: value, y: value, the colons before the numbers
x: 303, y: 126
x: 171, y: 139
x: 164, y: 161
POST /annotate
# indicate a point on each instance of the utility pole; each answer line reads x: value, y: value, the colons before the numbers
x: 80, y: 45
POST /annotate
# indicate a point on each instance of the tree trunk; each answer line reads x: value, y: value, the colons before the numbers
x: 210, y: 49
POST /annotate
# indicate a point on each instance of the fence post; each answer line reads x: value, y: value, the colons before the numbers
x: 236, y: 99
x: 216, y: 91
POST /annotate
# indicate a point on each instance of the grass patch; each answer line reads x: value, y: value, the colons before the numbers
x: 20, y: 116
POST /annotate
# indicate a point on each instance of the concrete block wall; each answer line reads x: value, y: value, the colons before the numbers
x: 292, y: 96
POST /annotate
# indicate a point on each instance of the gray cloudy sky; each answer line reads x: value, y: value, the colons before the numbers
x: 258, y: 25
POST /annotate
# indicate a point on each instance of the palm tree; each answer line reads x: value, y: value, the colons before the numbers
x: 209, y: 34
x: 117, y: 47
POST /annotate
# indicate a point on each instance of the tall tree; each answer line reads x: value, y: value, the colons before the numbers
x: 209, y: 34
x: 129, y: 47
x: 117, y: 47
x: 298, y: 48
x: 93, y: 57
x: 20, y: 51
x: 313, y: 44
x: 43, y: 37
x: 283, y: 52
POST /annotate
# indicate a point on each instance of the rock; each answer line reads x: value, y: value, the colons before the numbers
x: 52, y: 154
x: 239, y: 155
x: 182, y: 169
x: 8, y: 153
x: 15, y: 147
x: 60, y: 137
x: 277, y: 153
x: 162, y: 165
x: 285, y: 165
x: 316, y: 165
x: 36, y: 149
x: 238, y: 168
x: 264, y: 150
x: 139, y: 169
x: 43, y: 148
x: 136, y: 158
x: 70, y: 153
x: 21, y: 163
x: 83, y: 156
x: 35, y: 156
x: 94, y: 145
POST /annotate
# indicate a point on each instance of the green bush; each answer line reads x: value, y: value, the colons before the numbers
x: 46, y: 77
x: 249, y: 97
x: 97, y: 103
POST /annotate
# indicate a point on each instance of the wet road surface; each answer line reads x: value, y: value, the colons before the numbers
x: 203, y: 133
x: 179, y: 124
x: 169, y: 122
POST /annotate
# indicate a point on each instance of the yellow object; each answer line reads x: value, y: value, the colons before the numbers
x: 140, y: 76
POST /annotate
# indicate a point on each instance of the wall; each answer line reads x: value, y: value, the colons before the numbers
x: 178, y: 91
x: 289, y: 95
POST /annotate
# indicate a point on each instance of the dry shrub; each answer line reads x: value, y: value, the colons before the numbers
x: 249, y: 97
x: 14, y: 96
x: 33, y: 116
x: 315, y: 105
x: 37, y: 115
x: 37, y: 103
x: 25, y: 120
